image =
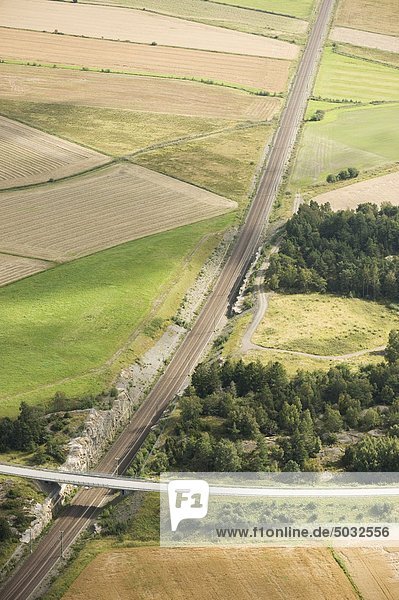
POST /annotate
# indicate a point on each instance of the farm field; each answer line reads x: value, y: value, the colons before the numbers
x: 60, y: 328
x: 381, y: 17
x: 343, y: 77
x: 29, y: 156
x: 122, y: 203
x: 115, y: 132
x: 374, y: 571
x: 289, y: 7
x: 219, y: 574
x: 147, y: 94
x: 213, y: 13
x: 364, y: 137
x: 225, y: 163
x: 261, y: 73
x: 365, y: 38
x: 324, y: 325
x: 376, y: 190
x: 137, y: 26
x: 13, y: 268
x: 389, y: 58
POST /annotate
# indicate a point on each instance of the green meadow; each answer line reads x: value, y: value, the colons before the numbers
x: 294, y: 8
x: 343, y: 77
x: 60, y: 327
x: 364, y: 137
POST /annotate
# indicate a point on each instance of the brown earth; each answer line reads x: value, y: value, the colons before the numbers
x: 375, y: 571
x: 147, y: 94
x: 214, y: 574
x: 377, y: 190
x: 381, y: 16
x: 137, y: 26
x: 30, y: 156
x: 266, y: 73
x: 364, y: 38
x: 99, y: 210
x: 13, y: 268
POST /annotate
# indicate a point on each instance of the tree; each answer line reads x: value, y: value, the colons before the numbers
x: 191, y: 409
x: 332, y: 420
x: 331, y: 178
x: 226, y: 456
x: 5, y: 530
x: 392, y: 349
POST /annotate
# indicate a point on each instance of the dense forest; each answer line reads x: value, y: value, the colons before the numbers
x: 346, y: 252
x: 238, y: 416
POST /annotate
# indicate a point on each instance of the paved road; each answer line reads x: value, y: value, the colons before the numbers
x: 80, y: 513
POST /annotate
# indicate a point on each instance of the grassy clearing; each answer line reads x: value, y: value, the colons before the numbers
x: 115, y: 132
x: 59, y: 328
x: 214, y: 13
x: 295, y: 8
x: 379, y: 17
x: 224, y: 164
x: 373, y: 54
x: 325, y: 325
x: 363, y: 137
x: 293, y: 364
x: 342, y: 77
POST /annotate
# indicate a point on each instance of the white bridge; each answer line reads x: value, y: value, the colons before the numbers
x: 130, y: 484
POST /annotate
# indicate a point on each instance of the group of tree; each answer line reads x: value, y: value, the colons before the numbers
x: 29, y: 433
x: 349, y: 173
x: 317, y: 116
x: 231, y: 404
x: 347, y: 252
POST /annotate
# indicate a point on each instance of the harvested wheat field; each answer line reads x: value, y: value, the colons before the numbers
x: 266, y: 73
x: 214, y: 574
x: 99, y: 210
x: 370, y: 15
x: 137, y: 26
x: 365, y: 39
x: 375, y: 571
x: 377, y: 190
x: 13, y: 268
x: 148, y: 94
x: 29, y: 156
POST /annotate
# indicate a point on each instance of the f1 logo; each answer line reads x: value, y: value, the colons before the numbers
x: 188, y: 499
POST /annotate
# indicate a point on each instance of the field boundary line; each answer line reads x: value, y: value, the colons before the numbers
x: 199, y: 136
x: 336, y: 50
x: 342, y: 565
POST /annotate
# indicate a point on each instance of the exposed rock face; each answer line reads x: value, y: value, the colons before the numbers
x: 43, y: 515
x: 101, y: 426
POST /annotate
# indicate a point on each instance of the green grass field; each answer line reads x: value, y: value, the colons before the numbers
x: 115, y: 132
x: 224, y: 163
x: 58, y: 328
x: 324, y: 324
x: 296, y: 8
x: 342, y: 77
x: 363, y: 137
x: 373, y: 54
x: 215, y: 13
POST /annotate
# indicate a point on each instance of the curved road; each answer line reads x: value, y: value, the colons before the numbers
x: 84, y: 507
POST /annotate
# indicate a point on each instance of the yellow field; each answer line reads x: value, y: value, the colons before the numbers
x: 374, y: 571
x: 214, y: 574
x: 86, y: 214
x: 145, y: 94
x: 13, y: 268
x: 365, y: 39
x: 137, y: 26
x: 370, y: 15
x: 377, y: 190
x: 29, y: 156
x: 265, y: 73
